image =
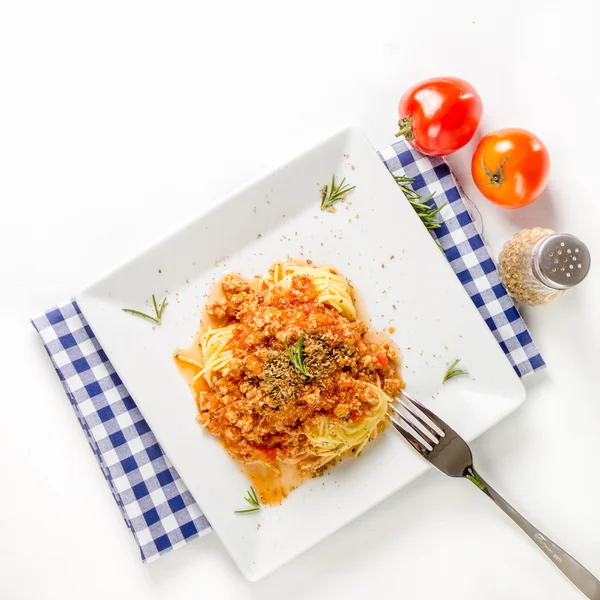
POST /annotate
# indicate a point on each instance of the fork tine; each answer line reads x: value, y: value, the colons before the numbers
x: 428, y: 434
x: 419, y: 446
x: 417, y: 433
x: 410, y: 409
x: 441, y: 425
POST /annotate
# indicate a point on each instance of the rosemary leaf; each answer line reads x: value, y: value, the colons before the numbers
x: 330, y: 194
x: 453, y: 371
x: 252, y: 499
x: 426, y: 212
x: 296, y: 355
x: 158, y: 311
x: 162, y: 307
x: 253, y: 496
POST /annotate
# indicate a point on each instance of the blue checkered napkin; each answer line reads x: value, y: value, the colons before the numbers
x: 467, y: 253
x: 153, y: 499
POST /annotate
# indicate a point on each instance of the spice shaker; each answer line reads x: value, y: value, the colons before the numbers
x: 538, y: 266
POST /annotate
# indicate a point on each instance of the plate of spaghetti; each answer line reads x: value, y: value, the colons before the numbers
x: 287, y: 376
x: 277, y: 326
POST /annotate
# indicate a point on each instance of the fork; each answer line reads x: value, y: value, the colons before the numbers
x: 449, y: 453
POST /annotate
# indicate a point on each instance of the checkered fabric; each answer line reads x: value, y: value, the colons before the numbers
x: 467, y: 253
x: 153, y: 499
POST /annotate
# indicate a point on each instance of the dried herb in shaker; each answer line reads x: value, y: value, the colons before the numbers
x: 537, y: 266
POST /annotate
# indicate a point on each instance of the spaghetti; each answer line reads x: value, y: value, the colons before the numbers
x: 289, y: 376
x: 332, y: 289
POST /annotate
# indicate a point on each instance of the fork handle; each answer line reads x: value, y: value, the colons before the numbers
x: 574, y: 571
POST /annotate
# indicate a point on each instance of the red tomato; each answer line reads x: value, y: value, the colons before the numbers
x: 511, y: 167
x: 438, y: 116
x: 382, y: 358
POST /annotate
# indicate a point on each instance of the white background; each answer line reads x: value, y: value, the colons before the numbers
x: 120, y: 120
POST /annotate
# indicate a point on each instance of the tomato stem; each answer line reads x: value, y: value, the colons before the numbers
x: 406, y: 129
x: 497, y: 176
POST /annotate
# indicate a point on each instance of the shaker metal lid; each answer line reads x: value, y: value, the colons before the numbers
x: 561, y: 261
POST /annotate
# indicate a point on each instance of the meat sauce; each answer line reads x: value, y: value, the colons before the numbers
x: 261, y: 404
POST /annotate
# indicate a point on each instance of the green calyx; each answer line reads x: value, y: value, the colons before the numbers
x: 406, y: 129
x: 497, y: 176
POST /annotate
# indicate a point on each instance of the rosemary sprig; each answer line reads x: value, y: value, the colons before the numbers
x: 453, y: 371
x: 296, y: 355
x: 158, y: 311
x: 330, y: 194
x: 426, y: 212
x: 252, y: 500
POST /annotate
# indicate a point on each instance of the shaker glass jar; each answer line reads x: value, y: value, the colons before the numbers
x: 537, y: 266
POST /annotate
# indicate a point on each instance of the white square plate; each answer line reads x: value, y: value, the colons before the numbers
x: 416, y: 292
